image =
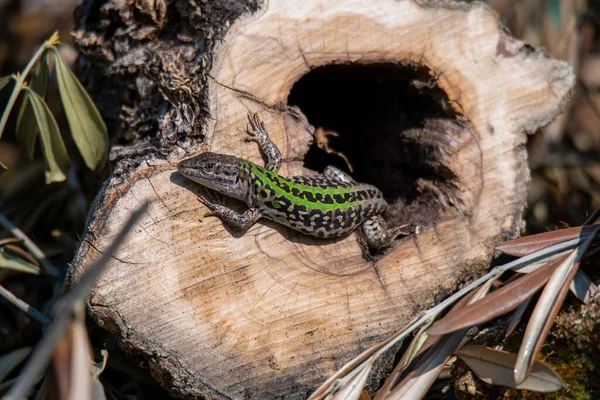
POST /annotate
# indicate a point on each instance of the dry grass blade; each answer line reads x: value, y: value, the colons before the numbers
x: 497, y: 303
x: 4, y: 81
x: 546, y: 309
x: 21, y: 305
x: 86, y: 124
x: 353, y: 389
x: 63, y: 311
x: 71, y: 374
x: 10, y: 241
x: 15, y: 263
x: 27, y: 129
x: 30, y: 245
x: 530, y: 244
x: 9, y: 361
x: 55, y: 152
x: 17, y: 251
x: 496, y: 368
x: 592, y: 219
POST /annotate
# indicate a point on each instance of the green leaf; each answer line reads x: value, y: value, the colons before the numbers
x: 4, y: 81
x: 27, y: 129
x: 10, y: 261
x: 87, y: 128
x: 55, y: 153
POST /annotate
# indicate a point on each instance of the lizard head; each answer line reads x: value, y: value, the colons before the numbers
x: 219, y: 172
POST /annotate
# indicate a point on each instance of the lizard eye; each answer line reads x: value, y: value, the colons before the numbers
x: 210, y: 166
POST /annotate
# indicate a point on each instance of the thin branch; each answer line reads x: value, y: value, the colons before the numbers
x: 23, y: 306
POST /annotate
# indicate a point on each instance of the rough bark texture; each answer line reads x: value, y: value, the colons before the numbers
x: 431, y: 103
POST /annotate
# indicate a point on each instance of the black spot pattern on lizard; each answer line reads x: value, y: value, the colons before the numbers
x: 319, y: 182
x: 296, y: 201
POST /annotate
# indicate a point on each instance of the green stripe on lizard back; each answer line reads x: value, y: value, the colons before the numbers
x: 315, y: 205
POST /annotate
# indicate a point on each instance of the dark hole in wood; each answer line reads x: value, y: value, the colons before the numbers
x: 371, y: 106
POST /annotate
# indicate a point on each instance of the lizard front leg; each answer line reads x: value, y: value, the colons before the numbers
x: 258, y: 133
x: 378, y: 235
x: 230, y: 217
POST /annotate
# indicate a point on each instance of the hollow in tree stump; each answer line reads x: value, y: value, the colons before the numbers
x: 429, y: 103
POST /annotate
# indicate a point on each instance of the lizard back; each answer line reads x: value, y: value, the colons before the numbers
x: 316, y: 206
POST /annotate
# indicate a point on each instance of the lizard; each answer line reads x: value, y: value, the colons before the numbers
x: 329, y: 205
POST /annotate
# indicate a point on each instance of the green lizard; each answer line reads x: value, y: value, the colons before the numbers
x: 326, y: 206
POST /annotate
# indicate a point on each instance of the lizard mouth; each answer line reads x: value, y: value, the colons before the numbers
x: 192, y: 173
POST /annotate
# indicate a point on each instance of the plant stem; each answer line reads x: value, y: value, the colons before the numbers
x: 20, y: 82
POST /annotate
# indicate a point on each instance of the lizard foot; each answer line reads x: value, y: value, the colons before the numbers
x: 210, y: 200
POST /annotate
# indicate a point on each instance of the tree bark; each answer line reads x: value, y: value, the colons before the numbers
x: 430, y: 102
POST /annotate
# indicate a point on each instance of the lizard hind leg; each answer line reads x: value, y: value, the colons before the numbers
x: 378, y: 235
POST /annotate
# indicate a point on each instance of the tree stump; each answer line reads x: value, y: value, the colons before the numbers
x: 430, y: 103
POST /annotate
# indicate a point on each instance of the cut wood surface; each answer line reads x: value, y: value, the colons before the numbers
x: 271, y: 313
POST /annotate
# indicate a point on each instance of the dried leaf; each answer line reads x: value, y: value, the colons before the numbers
x: 499, y: 302
x: 326, y: 386
x: 19, y: 252
x: 15, y: 263
x: 4, y: 81
x: 546, y: 309
x: 10, y: 361
x: 55, y: 153
x: 322, y: 137
x: 27, y: 129
x: 430, y: 358
x: 87, y: 128
x: 583, y: 288
x: 352, y: 390
x: 496, y: 367
x: 10, y: 240
x: 49, y: 268
x: 418, y: 381
x: 516, y: 317
x: 432, y: 339
x: 411, y: 352
x: 530, y: 244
